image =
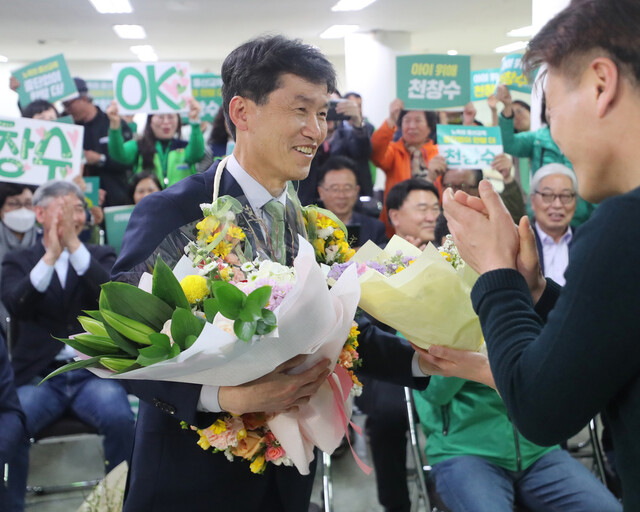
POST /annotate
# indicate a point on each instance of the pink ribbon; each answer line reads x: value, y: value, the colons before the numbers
x: 340, y: 396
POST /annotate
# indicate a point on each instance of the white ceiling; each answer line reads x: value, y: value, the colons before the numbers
x: 208, y: 29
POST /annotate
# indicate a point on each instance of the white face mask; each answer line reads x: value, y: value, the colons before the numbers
x: 20, y: 220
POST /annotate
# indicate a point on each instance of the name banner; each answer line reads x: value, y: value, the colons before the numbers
x: 469, y: 147
x: 428, y: 82
x: 34, y: 152
x: 512, y: 74
x: 152, y: 88
x: 207, y: 89
x: 47, y: 79
x: 484, y: 83
x: 102, y: 92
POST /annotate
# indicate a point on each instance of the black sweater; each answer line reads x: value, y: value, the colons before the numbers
x: 556, y: 372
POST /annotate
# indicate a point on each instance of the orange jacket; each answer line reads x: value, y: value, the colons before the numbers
x: 394, y: 159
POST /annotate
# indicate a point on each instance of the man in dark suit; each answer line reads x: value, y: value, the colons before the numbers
x: 275, y: 96
x: 45, y: 288
x: 338, y: 190
x: 13, y: 431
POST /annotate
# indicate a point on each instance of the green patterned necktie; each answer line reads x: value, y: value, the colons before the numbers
x: 275, y: 209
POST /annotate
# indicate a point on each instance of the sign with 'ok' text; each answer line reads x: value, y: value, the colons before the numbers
x: 152, y: 87
x: 34, y: 152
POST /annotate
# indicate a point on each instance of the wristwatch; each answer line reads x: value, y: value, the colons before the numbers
x: 103, y: 160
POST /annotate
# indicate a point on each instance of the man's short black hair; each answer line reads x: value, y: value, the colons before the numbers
x: 253, y: 70
x: 585, y: 26
x: 37, y: 107
x: 400, y: 191
x: 352, y: 93
x: 335, y: 163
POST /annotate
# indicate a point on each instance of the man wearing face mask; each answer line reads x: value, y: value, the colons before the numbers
x: 17, y: 226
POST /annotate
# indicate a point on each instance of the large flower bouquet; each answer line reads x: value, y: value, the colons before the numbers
x: 225, y: 315
x: 425, y: 295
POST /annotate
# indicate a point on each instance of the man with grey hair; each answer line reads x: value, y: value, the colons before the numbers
x: 554, y: 190
x: 45, y: 288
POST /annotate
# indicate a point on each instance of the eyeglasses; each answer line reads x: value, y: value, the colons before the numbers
x: 338, y: 189
x: 465, y: 187
x: 549, y: 198
x: 14, y: 204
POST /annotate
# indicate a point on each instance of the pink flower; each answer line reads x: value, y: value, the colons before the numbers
x: 227, y: 438
x: 274, y: 453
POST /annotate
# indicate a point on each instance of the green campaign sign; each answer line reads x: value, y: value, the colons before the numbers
x: 426, y: 82
x: 116, y: 219
x: 102, y: 92
x: 152, y: 88
x: 47, y: 79
x: 512, y: 74
x: 92, y: 192
x: 469, y: 147
x: 484, y: 83
x: 33, y: 151
x: 207, y: 89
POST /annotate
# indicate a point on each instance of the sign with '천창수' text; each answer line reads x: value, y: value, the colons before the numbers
x: 484, y: 83
x: 469, y: 147
x: 207, y: 89
x: 34, y: 152
x: 152, y: 88
x: 512, y: 75
x: 47, y: 79
x: 427, y: 82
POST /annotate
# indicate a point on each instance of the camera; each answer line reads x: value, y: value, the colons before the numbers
x: 332, y: 115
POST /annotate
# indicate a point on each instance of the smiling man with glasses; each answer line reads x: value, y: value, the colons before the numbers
x: 553, y: 201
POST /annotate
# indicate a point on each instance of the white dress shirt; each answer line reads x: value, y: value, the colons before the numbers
x: 555, y: 255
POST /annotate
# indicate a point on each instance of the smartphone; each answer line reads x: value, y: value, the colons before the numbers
x: 332, y: 115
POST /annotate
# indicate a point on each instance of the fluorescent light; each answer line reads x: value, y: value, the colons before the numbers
x: 112, y: 6
x: 452, y: 52
x: 512, y: 47
x: 3, y: 58
x: 351, y: 5
x: 130, y: 31
x: 144, y: 52
x: 522, y: 32
x: 338, y: 31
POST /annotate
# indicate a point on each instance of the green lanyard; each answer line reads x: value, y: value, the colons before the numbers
x: 163, y: 155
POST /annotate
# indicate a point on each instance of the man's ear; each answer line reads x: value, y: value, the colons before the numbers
x: 606, y: 78
x: 393, y: 217
x: 40, y: 215
x: 239, y: 108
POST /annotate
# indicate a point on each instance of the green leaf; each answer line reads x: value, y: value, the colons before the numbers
x: 92, y: 325
x: 160, y: 340
x: 262, y: 328
x: 269, y: 317
x: 136, y: 304
x: 153, y: 354
x: 81, y: 347
x: 128, y: 327
x: 95, y: 314
x: 260, y: 297
x: 124, y: 343
x: 184, y: 323
x: 211, y: 309
x: 117, y: 363
x: 230, y: 299
x: 84, y: 363
x: 244, y: 330
x: 167, y: 287
x: 190, y: 340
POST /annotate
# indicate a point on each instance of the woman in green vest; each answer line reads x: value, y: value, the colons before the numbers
x: 160, y: 148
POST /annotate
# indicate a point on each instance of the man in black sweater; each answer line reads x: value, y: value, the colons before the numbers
x: 561, y: 356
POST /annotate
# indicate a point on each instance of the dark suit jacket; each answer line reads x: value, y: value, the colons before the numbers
x: 168, y: 470
x: 539, y: 245
x: 42, y: 316
x: 370, y: 229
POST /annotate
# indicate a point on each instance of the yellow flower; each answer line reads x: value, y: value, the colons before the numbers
x: 195, y: 288
x: 350, y: 254
x: 225, y: 274
x: 223, y: 249
x: 339, y: 234
x: 343, y: 246
x: 318, y: 243
x: 242, y: 434
x: 219, y: 427
x: 202, y: 442
x: 207, y: 226
x: 236, y: 233
x: 446, y: 256
x: 325, y: 222
x: 257, y: 466
x: 354, y: 331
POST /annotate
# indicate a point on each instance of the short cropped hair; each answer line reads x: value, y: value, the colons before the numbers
x: 585, y: 26
x: 253, y: 70
x: 56, y: 188
x: 400, y: 191
x: 335, y: 163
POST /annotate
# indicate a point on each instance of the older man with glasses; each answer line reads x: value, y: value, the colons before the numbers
x: 553, y: 199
